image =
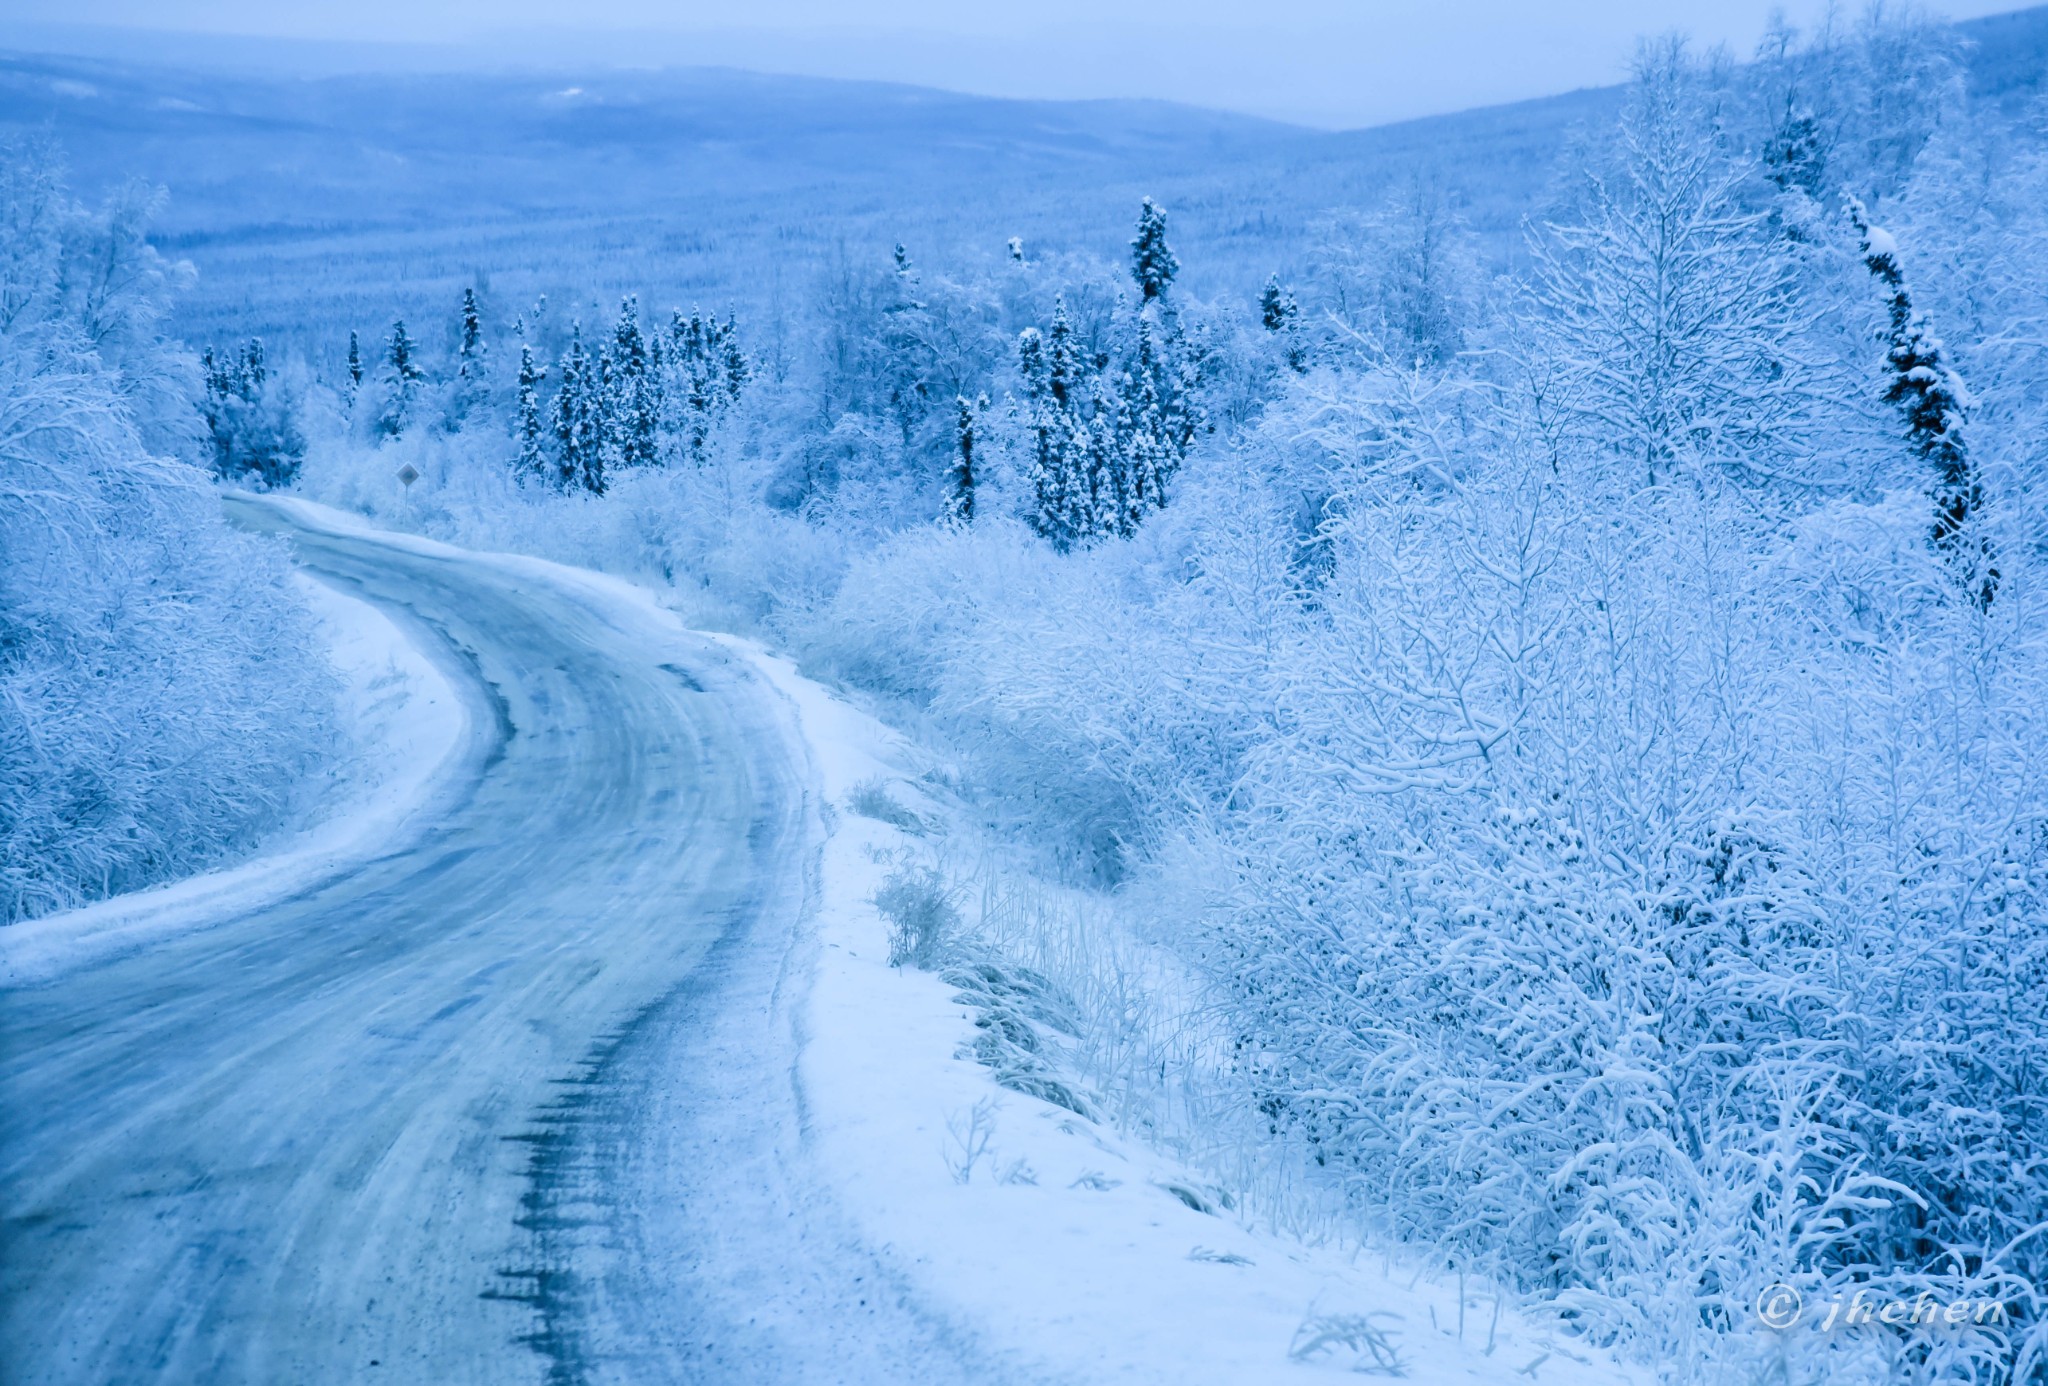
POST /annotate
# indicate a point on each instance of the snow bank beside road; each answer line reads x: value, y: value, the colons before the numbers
x: 404, y: 722
x: 1063, y: 1243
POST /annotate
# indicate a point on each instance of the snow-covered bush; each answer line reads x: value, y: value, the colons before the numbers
x: 1589, y: 887
x: 161, y: 696
x: 921, y: 916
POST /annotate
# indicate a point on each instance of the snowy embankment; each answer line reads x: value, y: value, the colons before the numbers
x: 1065, y: 1244
x: 403, y: 722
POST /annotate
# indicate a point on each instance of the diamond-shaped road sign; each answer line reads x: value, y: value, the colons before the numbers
x: 408, y: 474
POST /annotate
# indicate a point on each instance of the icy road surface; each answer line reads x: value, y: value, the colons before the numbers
x: 512, y: 1103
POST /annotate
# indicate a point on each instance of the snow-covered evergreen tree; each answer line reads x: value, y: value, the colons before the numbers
x: 737, y: 370
x: 1280, y: 315
x: 1277, y: 308
x: 579, y: 451
x: 604, y: 416
x: 1153, y: 265
x: 692, y: 353
x: 1796, y: 156
x: 1932, y: 400
x: 706, y: 372
x: 657, y: 375
x: 355, y: 369
x: 469, y: 393
x: 1107, y: 484
x: 632, y: 394
x: 1051, y: 367
x: 1150, y: 445
x: 469, y: 346
x: 529, y: 427
x: 251, y: 418
x: 402, y: 378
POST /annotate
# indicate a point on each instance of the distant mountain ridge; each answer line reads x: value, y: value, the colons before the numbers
x: 312, y: 205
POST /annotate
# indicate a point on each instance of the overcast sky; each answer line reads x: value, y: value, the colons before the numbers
x: 1322, y: 62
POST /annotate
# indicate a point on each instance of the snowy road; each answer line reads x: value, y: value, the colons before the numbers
x: 514, y: 1102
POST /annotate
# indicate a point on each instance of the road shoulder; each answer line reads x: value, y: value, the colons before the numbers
x: 1074, y: 1250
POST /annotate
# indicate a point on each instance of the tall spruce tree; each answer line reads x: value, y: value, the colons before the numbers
x: 579, y: 455
x: 355, y: 369
x: 1277, y: 308
x: 470, y: 390
x: 1280, y: 315
x: 737, y: 371
x: 1046, y: 472
x: 632, y: 401
x: 1152, y: 260
x: 1105, y: 504
x: 402, y: 377
x: 470, y: 332
x: 1063, y: 356
x: 531, y: 428
x: 657, y: 376
x: 1062, y: 505
x: 707, y: 370
x: 1149, y: 457
x: 1932, y: 399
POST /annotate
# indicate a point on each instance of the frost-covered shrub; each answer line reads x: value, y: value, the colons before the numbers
x: 872, y: 799
x: 161, y: 694
x: 904, y: 611
x: 921, y: 916
x: 1613, y: 900
x: 1014, y: 1009
x: 1102, y: 691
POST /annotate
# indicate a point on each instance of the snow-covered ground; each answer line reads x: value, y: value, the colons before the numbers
x: 1061, y: 1241
x: 1059, y: 1245
x: 401, y: 721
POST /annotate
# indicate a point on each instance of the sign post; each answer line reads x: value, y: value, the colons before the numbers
x: 407, y: 475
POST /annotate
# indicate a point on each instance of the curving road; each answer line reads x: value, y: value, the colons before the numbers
x: 514, y: 1102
